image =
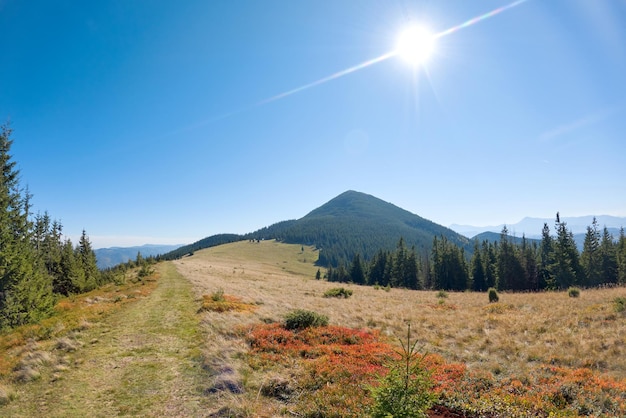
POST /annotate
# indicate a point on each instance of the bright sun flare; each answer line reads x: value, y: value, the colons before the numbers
x: 415, y: 45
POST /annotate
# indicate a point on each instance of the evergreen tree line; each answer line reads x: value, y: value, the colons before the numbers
x: 552, y: 263
x: 37, y: 264
x: 401, y: 267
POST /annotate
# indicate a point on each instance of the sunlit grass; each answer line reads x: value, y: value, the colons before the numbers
x: 73, y: 313
x: 529, y: 338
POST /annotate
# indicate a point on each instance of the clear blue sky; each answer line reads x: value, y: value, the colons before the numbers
x: 146, y: 122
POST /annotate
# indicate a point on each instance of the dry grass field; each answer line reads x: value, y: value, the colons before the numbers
x: 203, y: 337
x: 507, y: 341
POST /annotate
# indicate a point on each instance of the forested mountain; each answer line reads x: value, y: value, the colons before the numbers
x: 351, y: 223
x: 357, y: 223
x: 493, y: 237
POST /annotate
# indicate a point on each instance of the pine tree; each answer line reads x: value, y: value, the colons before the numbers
x: 621, y: 257
x: 25, y: 290
x: 490, y: 261
x: 411, y: 271
x: 449, y: 269
x: 590, y: 258
x: 399, y: 265
x: 477, y: 273
x: 87, y: 261
x: 531, y: 269
x: 71, y: 277
x: 377, y: 269
x: 608, y: 258
x: 546, y: 260
x: 510, y: 271
x: 567, y: 269
x: 357, y: 274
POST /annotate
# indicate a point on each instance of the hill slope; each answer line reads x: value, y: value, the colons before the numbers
x: 355, y: 222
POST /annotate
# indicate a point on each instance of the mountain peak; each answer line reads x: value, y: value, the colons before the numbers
x: 361, y: 206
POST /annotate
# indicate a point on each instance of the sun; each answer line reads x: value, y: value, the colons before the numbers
x: 415, y: 45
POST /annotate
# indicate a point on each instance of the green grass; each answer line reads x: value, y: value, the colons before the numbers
x: 288, y: 257
x: 143, y: 360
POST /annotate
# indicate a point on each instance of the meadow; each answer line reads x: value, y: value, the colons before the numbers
x: 545, y: 352
x: 206, y: 336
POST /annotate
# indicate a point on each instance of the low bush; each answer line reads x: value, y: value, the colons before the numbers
x: 145, y: 271
x: 573, y: 292
x: 338, y: 292
x: 442, y: 294
x: 301, y: 319
x: 493, y: 295
x: 619, y: 304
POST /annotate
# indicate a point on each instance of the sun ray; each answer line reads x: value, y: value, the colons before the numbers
x: 329, y: 78
x: 477, y: 19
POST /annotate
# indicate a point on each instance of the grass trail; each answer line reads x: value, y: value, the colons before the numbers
x: 141, y: 361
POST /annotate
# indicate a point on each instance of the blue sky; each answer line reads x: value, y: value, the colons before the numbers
x: 148, y: 122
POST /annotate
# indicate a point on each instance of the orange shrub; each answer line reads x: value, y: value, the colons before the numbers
x: 225, y: 304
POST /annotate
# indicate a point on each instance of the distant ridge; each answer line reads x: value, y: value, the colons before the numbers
x: 531, y: 227
x: 112, y: 256
x: 207, y: 242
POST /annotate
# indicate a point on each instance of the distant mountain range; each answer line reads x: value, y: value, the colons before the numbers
x: 532, y: 227
x: 109, y: 257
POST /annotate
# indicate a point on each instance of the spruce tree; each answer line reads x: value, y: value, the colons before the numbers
x: 608, y: 257
x: 87, y: 261
x: 511, y: 273
x: 357, y: 275
x: 25, y: 290
x: 621, y: 257
x: 490, y: 261
x: 546, y: 260
x: 378, y: 266
x: 567, y: 269
x: 478, y: 276
x: 71, y: 276
x: 590, y: 258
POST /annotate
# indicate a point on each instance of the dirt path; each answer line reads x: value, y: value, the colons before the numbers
x: 144, y: 360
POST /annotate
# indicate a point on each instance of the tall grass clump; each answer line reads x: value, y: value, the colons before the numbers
x: 218, y: 295
x: 6, y: 395
x: 301, y: 319
x: 338, y: 292
x: 493, y: 295
x: 573, y: 292
x: 406, y: 390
